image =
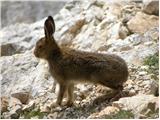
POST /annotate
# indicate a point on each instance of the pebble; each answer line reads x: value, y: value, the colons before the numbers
x: 142, y: 73
x: 136, y: 88
x: 5, y: 115
x: 79, y: 98
x: 130, y: 86
x: 35, y: 117
x: 18, y: 109
x: 14, y: 115
x: 4, y: 104
x: 144, y: 67
x: 84, y: 100
x: 57, y: 109
x: 45, y: 109
x: 29, y: 107
x: 148, y: 43
x: 139, y: 82
x: 132, y: 92
x: 52, y: 115
x: 22, y: 96
x: 146, y: 82
x: 70, y: 109
x: 77, y: 102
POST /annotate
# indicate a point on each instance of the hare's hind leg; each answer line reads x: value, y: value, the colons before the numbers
x: 120, y: 93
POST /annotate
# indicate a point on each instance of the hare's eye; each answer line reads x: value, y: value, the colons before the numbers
x: 40, y: 46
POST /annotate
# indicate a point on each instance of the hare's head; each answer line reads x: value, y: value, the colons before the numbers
x: 46, y: 44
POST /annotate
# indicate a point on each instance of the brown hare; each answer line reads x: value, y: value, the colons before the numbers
x: 70, y: 66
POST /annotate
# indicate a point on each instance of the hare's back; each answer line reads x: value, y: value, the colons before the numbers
x: 95, y: 62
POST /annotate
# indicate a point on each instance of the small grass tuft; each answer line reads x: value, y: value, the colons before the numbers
x: 122, y: 114
x: 33, y: 113
x: 153, y: 114
x: 153, y: 63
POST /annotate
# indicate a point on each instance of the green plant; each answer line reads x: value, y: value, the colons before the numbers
x: 33, y: 113
x: 122, y: 114
x: 153, y: 63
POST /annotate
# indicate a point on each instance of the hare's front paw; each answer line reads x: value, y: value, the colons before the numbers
x: 54, y: 104
x: 68, y: 103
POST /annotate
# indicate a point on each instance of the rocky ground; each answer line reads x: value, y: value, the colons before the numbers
x: 27, y: 11
x: 128, y: 29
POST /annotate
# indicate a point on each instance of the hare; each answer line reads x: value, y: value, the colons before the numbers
x: 69, y: 66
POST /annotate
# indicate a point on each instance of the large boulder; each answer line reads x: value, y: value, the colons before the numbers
x: 24, y: 76
x: 142, y: 22
x: 138, y: 104
x: 151, y: 7
x: 103, y: 113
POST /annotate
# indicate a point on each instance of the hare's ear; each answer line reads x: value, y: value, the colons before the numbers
x: 49, y: 27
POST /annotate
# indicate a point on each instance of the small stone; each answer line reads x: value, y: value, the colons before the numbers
x: 144, y: 67
x: 152, y: 87
x: 130, y: 86
x: 44, y: 117
x: 82, y: 117
x: 77, y: 102
x: 15, y: 105
x: 52, y: 115
x: 4, y: 104
x: 14, y: 115
x: 84, y: 100
x: 5, y: 115
x: 22, y: 96
x: 146, y: 82
x: 132, y: 92
x: 14, y: 101
x: 15, y: 108
x: 148, y: 43
x: 57, y: 109
x: 45, y: 109
x: 139, y: 82
x: 35, y: 117
x: 142, y: 73
x: 136, y: 88
x: 70, y: 109
x: 18, y: 109
x: 129, y: 82
x: 29, y: 107
x: 151, y: 7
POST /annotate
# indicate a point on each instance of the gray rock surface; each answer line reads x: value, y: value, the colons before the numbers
x: 28, y: 11
x: 22, y: 73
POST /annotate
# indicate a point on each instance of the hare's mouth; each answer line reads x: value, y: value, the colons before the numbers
x: 36, y: 54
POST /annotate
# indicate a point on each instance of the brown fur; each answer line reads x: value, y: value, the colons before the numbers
x: 69, y: 66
